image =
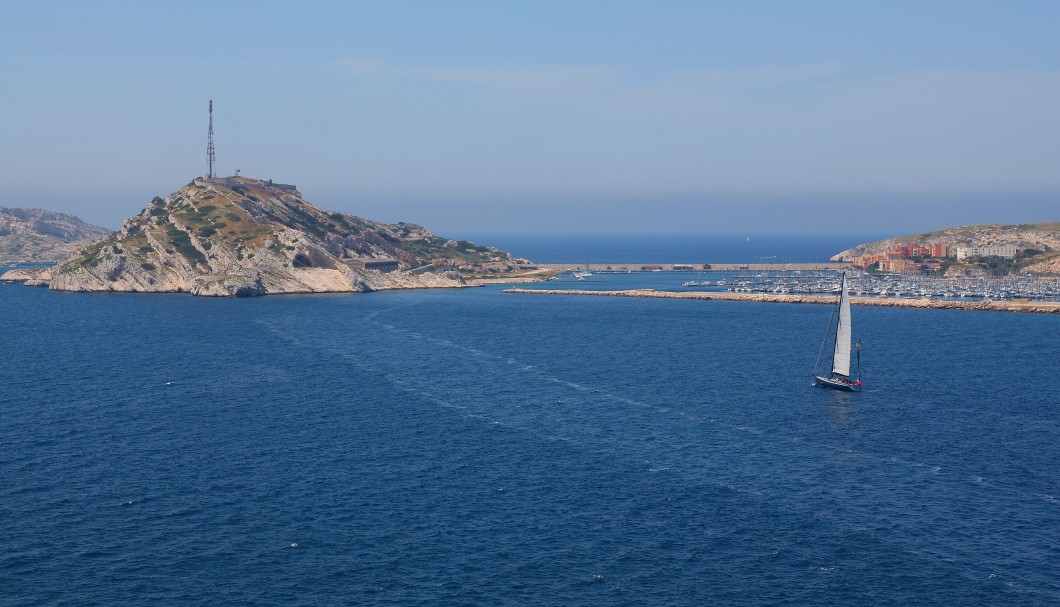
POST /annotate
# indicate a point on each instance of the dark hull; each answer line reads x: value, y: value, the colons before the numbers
x: 835, y: 384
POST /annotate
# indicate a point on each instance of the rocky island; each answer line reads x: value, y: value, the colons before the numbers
x: 38, y: 236
x: 237, y: 236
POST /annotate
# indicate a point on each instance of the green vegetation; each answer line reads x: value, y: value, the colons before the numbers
x: 468, y: 246
x: 1000, y: 265
x: 91, y: 256
x: 308, y: 222
x: 183, y: 245
x: 944, y: 264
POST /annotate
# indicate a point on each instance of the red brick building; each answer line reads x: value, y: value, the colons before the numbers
x: 904, y: 258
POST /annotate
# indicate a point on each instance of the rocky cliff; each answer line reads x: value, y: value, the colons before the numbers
x: 1043, y: 238
x: 37, y: 236
x: 241, y: 236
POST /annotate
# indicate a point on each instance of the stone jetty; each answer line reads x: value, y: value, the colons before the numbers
x: 1039, y: 307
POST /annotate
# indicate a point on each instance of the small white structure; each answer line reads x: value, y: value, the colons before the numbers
x: 1004, y: 250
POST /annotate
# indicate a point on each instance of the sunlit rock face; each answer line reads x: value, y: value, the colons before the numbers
x: 238, y: 236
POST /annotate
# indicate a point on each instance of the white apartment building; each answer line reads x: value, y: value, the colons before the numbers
x: 1004, y: 250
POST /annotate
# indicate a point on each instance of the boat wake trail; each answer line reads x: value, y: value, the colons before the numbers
x: 696, y: 448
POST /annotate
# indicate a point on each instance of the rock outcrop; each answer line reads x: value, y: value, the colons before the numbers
x: 1048, y: 263
x: 37, y: 236
x: 238, y: 236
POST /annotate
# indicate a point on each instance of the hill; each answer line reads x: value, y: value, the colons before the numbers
x: 38, y: 236
x: 242, y: 236
x: 1042, y: 237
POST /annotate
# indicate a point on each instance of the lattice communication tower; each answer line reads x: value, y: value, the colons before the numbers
x: 209, y: 145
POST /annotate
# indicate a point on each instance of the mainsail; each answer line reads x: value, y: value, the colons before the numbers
x: 841, y: 357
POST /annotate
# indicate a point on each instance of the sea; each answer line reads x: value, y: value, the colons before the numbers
x: 476, y: 447
x: 696, y: 248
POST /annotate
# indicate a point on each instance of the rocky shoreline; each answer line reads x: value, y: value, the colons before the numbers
x: 371, y: 281
x: 1037, y: 307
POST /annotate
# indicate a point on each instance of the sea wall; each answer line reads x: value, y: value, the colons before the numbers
x: 1038, y: 307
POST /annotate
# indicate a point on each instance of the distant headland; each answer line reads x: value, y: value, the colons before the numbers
x: 1028, y: 247
x: 39, y: 236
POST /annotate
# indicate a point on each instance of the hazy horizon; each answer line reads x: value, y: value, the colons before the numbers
x: 546, y: 118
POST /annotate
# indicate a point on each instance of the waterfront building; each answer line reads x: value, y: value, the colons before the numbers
x: 906, y: 257
x: 899, y: 265
x: 1007, y: 251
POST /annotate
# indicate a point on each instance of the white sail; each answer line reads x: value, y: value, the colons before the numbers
x: 841, y: 358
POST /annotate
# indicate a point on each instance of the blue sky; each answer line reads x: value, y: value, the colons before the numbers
x: 546, y: 116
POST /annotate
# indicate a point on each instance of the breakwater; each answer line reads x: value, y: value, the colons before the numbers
x: 1039, y: 307
x: 692, y: 267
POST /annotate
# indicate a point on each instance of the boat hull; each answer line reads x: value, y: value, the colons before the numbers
x: 835, y: 384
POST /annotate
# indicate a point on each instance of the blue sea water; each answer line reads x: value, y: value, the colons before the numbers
x: 469, y: 447
x: 673, y: 248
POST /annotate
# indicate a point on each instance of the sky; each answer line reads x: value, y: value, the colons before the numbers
x: 546, y: 117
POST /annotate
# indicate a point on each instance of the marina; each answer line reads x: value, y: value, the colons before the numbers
x: 1013, y: 305
x: 878, y: 284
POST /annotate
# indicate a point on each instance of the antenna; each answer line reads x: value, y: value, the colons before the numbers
x: 209, y: 145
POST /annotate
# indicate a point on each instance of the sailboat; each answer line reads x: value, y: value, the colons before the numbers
x: 839, y: 376
x: 698, y: 282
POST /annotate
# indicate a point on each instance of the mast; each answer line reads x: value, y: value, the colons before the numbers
x: 209, y: 145
x: 841, y: 354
